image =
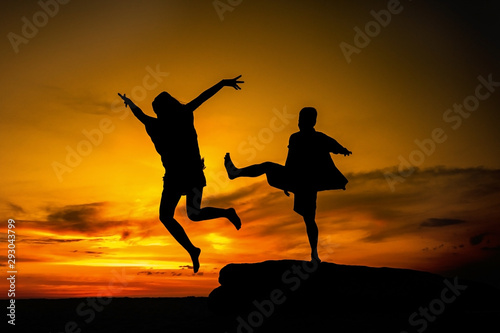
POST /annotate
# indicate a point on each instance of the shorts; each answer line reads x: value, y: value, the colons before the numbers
x: 304, y: 196
x: 170, y: 198
x: 279, y: 177
x: 184, y: 182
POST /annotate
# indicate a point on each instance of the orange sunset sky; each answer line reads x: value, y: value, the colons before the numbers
x: 81, y: 178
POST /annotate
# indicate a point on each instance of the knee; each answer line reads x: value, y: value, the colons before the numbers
x: 167, y: 222
x: 268, y: 166
x: 310, y: 222
x: 193, y: 214
x: 166, y: 218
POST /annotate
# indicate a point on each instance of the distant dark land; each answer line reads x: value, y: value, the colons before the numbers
x: 286, y: 296
x: 190, y: 314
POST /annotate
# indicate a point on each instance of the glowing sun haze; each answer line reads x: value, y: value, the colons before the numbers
x: 83, y: 181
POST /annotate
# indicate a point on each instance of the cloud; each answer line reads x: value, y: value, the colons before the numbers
x: 16, y: 209
x: 402, y: 211
x: 86, y: 219
x: 390, y: 231
x: 370, y: 207
x: 76, y: 217
x: 157, y: 272
x: 426, y: 249
x: 3, y: 259
x: 437, y: 222
x: 86, y: 102
x: 125, y: 234
x: 428, y: 205
x: 241, y: 194
x: 494, y: 248
x: 47, y: 240
x: 97, y: 253
x: 152, y: 272
x: 477, y: 239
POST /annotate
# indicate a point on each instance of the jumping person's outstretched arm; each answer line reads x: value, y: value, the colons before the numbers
x: 135, y: 109
x: 204, y: 96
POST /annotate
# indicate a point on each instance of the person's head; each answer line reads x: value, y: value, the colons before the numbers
x: 307, y: 118
x: 164, y: 103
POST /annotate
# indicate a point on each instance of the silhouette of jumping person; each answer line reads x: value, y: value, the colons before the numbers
x: 309, y: 168
x: 175, y: 139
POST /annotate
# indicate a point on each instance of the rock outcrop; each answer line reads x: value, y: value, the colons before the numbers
x: 301, y: 296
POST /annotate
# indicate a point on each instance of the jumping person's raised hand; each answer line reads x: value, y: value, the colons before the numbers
x: 126, y: 100
x: 233, y: 82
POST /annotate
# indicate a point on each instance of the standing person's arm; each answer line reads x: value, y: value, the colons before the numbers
x: 207, y: 94
x: 335, y: 147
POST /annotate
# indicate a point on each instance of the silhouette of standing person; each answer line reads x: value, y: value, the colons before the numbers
x: 309, y: 168
x: 175, y: 139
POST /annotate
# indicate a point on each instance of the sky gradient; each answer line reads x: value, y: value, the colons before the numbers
x: 416, y: 100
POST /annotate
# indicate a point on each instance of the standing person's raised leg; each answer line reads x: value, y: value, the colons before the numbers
x: 196, y: 213
x: 249, y: 171
x: 168, y: 203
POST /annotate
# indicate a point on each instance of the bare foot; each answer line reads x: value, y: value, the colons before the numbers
x: 232, y: 171
x: 315, y: 257
x: 234, y: 218
x: 195, y: 254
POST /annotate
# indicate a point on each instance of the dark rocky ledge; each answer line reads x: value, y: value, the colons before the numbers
x: 301, y: 296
